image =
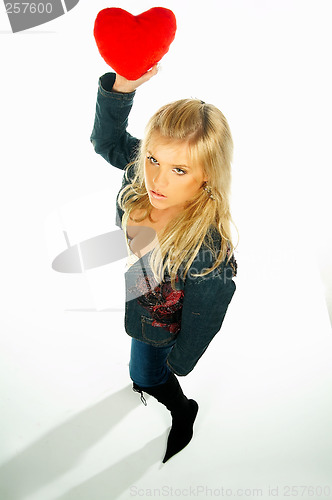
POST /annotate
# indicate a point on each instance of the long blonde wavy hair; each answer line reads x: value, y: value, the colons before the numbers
x: 205, y: 129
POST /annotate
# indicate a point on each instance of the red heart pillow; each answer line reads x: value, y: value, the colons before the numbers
x: 133, y: 44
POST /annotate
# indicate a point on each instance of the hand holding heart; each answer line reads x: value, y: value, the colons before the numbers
x: 126, y: 86
x: 132, y: 45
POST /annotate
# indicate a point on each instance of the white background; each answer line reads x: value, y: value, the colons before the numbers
x: 71, y: 428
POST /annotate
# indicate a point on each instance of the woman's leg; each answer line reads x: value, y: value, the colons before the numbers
x: 149, y: 372
x: 147, y: 365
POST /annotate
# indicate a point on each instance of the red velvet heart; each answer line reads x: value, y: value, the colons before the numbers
x: 131, y: 45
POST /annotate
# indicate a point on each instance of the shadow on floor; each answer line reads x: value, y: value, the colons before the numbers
x: 118, y: 478
x: 59, y: 450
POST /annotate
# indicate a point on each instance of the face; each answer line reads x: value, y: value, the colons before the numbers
x: 168, y: 171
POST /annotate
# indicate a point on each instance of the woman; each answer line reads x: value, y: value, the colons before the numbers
x: 174, y: 209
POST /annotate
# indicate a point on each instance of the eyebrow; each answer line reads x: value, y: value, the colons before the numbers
x: 176, y: 166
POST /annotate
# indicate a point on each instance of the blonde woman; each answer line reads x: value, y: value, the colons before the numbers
x: 173, y: 207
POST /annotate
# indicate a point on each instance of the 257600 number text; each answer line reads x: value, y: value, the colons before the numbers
x: 28, y: 8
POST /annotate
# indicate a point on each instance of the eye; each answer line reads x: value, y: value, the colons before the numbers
x: 180, y: 171
x: 152, y: 160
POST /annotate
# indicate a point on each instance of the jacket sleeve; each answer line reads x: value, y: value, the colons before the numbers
x: 109, y: 136
x: 205, y: 303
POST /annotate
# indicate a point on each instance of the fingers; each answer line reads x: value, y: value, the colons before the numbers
x: 154, y: 70
x: 149, y: 74
x: 121, y: 84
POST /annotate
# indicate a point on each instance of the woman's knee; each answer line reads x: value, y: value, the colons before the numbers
x: 148, y: 377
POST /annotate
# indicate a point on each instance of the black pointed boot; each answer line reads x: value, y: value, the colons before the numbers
x: 183, y: 412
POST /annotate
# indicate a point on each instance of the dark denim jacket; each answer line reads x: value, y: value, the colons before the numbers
x: 189, y: 317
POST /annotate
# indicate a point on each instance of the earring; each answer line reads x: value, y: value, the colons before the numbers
x: 208, y: 190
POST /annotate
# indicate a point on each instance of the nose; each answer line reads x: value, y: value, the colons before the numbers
x: 160, y: 180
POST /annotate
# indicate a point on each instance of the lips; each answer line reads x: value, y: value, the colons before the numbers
x: 157, y: 193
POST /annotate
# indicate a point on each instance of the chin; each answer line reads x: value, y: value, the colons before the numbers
x: 157, y: 205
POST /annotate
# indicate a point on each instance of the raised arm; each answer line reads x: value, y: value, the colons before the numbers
x: 109, y: 136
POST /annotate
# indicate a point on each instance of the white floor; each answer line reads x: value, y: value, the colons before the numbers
x: 71, y: 428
